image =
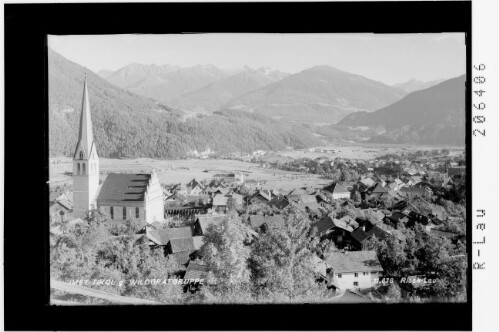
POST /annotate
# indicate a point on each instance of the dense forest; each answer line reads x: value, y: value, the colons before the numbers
x: 127, y: 125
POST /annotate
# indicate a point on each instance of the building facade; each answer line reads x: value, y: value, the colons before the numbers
x: 353, y: 270
x: 126, y: 196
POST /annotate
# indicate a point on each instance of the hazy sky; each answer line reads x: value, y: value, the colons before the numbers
x: 389, y: 58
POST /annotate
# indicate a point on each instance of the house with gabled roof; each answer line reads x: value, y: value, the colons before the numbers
x: 396, y: 218
x: 367, y: 182
x: 337, y: 229
x: 220, y: 201
x: 204, y: 221
x: 161, y: 236
x: 353, y: 269
x: 194, y: 183
x: 366, y: 231
x: 324, y: 226
x: 279, y: 202
x: 336, y: 191
x: 379, y: 189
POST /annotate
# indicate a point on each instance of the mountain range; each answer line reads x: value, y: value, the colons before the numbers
x: 245, y: 109
x: 213, y: 96
x: 320, y: 94
x: 129, y: 125
x: 435, y: 115
x: 164, y: 83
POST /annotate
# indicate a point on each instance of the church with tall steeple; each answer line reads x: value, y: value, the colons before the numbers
x: 85, y: 163
x: 123, y: 196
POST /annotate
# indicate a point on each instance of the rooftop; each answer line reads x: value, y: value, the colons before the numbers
x: 124, y: 187
x: 182, y: 244
x: 205, y: 220
x: 353, y: 261
x: 370, y: 230
x: 163, y: 236
x: 336, y: 188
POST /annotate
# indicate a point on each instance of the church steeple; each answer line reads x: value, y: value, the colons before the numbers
x: 85, y: 163
x: 85, y: 134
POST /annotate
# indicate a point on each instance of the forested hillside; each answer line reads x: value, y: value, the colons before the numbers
x: 128, y: 125
x: 432, y: 116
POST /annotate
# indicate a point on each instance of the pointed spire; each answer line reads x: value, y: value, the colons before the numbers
x: 85, y: 135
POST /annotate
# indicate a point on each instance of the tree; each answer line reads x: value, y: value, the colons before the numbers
x: 226, y: 255
x: 93, y: 250
x: 280, y: 263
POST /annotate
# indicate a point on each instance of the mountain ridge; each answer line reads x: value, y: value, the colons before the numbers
x: 435, y: 114
x: 321, y: 94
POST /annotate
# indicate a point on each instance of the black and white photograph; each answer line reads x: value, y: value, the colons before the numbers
x: 225, y: 166
x: 257, y: 168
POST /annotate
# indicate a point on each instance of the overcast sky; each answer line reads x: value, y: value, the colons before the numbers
x: 390, y: 58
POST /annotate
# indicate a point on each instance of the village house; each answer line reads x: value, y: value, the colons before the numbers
x: 336, y: 191
x: 177, y: 242
x: 61, y: 206
x: 353, y: 269
x: 279, y: 202
x: 338, y: 230
x: 204, y: 221
x: 367, y: 231
x: 368, y: 182
x: 220, y: 201
x: 396, y: 219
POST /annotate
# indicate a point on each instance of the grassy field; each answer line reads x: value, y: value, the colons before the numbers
x: 182, y: 171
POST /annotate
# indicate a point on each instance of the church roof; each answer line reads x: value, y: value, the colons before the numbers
x: 124, y: 187
x: 85, y: 133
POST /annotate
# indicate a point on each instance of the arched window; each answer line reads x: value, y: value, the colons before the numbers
x: 78, y: 164
x: 124, y: 212
x: 83, y: 169
x: 81, y: 155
